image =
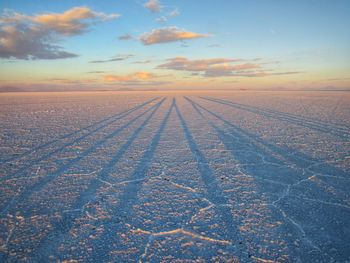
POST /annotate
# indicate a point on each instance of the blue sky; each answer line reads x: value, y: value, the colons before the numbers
x: 181, y: 44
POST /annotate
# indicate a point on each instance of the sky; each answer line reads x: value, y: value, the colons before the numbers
x: 180, y: 44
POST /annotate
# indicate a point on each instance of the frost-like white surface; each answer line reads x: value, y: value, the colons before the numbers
x: 152, y: 176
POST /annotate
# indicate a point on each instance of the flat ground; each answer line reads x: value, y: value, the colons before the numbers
x: 178, y: 176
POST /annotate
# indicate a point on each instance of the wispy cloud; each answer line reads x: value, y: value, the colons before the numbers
x: 165, y: 18
x: 36, y: 37
x: 168, y: 34
x: 181, y: 63
x: 162, y: 19
x: 125, y: 37
x: 338, y: 79
x: 153, y: 5
x: 174, y: 13
x: 96, y: 72
x: 71, y: 81
x: 214, y: 45
x: 220, y: 67
x: 117, y: 58
x: 143, y: 61
x: 136, y: 83
x: 137, y: 76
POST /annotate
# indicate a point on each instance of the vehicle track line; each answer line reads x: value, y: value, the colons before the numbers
x: 39, y: 185
x: 214, y: 193
x: 221, y: 134
x: 48, y: 155
x: 76, y: 132
x: 50, y: 244
x: 299, y: 121
x: 298, y: 158
x: 129, y: 196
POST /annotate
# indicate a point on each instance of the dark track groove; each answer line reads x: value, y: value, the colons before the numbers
x: 44, y: 181
x: 215, y: 194
x: 296, y: 157
x: 36, y: 148
x: 129, y: 195
x: 31, y: 163
x: 342, y: 133
x: 50, y: 244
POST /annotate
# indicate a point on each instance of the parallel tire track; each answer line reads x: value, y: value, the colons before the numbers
x: 109, y: 119
x: 44, y: 181
x: 214, y: 193
x: 298, y: 158
x: 129, y: 196
x: 250, y: 139
x: 342, y: 133
x: 49, y: 245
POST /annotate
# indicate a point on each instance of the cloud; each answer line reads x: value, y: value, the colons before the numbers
x: 143, y: 83
x: 284, y: 73
x: 164, y: 18
x: 214, y: 45
x: 181, y: 63
x: 22, y: 42
x: 37, y: 37
x: 220, y: 67
x: 71, y: 81
x: 153, y: 5
x: 338, y: 79
x: 174, y: 13
x: 143, y: 61
x: 96, y: 72
x: 71, y: 22
x: 220, y: 70
x: 118, y: 58
x: 168, y: 34
x: 125, y: 37
x: 137, y: 76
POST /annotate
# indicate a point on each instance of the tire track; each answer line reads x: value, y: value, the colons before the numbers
x: 20, y: 171
x: 215, y: 194
x: 298, y: 158
x: 342, y: 133
x: 109, y: 119
x: 61, y: 228
x: 44, y: 181
x: 129, y: 196
x: 294, y: 225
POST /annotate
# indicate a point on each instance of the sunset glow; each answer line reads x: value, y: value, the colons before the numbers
x: 62, y: 45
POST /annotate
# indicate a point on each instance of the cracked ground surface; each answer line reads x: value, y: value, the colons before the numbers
x: 175, y: 177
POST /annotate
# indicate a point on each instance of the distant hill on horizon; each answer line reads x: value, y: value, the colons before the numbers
x: 11, y: 89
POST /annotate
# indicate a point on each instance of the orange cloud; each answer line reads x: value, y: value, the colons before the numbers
x: 219, y: 67
x: 71, y: 21
x: 144, y: 75
x: 168, y: 34
x: 35, y: 37
x: 181, y: 63
x: 134, y: 77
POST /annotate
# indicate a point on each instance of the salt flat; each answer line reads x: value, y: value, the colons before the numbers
x: 244, y: 176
